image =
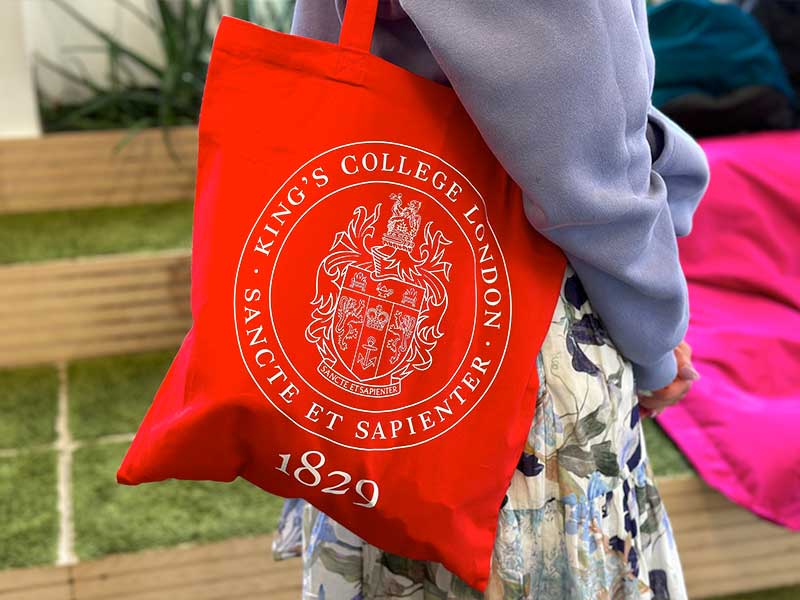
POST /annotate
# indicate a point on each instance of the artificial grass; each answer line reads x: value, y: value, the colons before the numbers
x: 111, y: 395
x: 28, y: 406
x: 89, y: 231
x: 28, y: 515
x: 112, y: 518
x: 665, y: 458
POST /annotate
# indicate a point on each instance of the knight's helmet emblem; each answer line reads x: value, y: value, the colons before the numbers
x: 401, y: 230
x: 379, y: 307
x: 403, y: 224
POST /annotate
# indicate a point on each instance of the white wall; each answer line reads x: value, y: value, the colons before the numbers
x: 57, y: 37
x: 39, y: 28
x: 19, y: 116
x: 50, y: 33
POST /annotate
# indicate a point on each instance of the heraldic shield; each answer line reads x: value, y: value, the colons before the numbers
x: 368, y: 299
x: 378, y: 326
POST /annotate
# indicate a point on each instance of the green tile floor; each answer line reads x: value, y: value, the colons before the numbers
x: 28, y: 509
x: 106, y: 399
x: 114, y: 518
x: 28, y: 404
x: 110, y: 395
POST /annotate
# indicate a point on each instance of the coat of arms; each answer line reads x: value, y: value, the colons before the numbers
x: 379, y: 306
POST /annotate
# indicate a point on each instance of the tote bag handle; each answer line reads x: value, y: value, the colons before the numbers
x: 358, y: 24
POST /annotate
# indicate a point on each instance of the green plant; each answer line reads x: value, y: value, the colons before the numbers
x: 185, y: 30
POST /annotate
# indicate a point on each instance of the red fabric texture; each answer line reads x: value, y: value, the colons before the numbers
x: 368, y: 299
x: 738, y: 425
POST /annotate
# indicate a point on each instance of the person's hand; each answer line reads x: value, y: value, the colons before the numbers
x: 652, y: 403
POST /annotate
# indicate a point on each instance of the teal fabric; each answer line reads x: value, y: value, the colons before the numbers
x: 709, y: 48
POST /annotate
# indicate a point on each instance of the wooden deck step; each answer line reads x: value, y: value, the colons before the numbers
x: 724, y: 548
x: 40, y: 583
x: 239, y: 569
x: 745, y: 554
x: 97, y: 168
x: 76, y: 308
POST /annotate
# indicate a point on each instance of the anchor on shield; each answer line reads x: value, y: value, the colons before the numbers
x: 373, y: 329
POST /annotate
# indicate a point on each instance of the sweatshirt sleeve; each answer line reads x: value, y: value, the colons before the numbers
x: 561, y: 93
x: 682, y: 164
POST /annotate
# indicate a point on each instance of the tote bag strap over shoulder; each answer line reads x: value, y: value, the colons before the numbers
x: 358, y: 24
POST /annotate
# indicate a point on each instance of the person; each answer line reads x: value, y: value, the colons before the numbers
x: 561, y: 93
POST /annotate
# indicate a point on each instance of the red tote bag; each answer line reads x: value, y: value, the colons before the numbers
x: 368, y: 299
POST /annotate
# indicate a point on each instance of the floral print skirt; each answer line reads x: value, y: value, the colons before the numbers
x: 582, y: 518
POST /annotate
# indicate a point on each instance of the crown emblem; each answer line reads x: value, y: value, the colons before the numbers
x: 410, y: 297
x: 359, y: 281
x: 403, y: 224
x: 377, y: 318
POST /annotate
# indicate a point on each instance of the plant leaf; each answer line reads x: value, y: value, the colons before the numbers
x: 68, y: 75
x: 107, y: 38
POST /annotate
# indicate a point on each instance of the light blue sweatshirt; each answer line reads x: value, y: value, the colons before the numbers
x: 561, y: 91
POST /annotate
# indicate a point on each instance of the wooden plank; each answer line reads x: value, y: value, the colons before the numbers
x: 62, y: 310
x: 38, y: 583
x: 713, y: 589
x: 693, y: 506
x: 95, y: 293
x: 723, y: 547
x: 55, y: 148
x: 97, y: 165
x: 176, y: 579
x: 59, y: 592
x: 177, y: 292
x: 179, y: 555
x: 49, y: 153
x: 56, y: 179
x: 719, y: 559
x: 98, y: 294
x: 747, y: 531
x: 157, y: 336
x: 108, y: 264
x: 680, y: 485
x: 109, y: 182
x: 292, y: 593
x: 97, y: 315
x: 261, y: 586
x: 239, y: 568
x: 703, y: 519
x: 83, y: 169
x: 688, y: 494
x: 162, y: 275
x: 76, y: 333
x: 734, y: 578
x: 95, y: 348
x: 125, y: 323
